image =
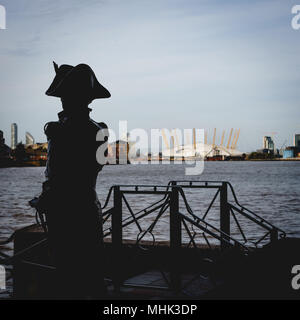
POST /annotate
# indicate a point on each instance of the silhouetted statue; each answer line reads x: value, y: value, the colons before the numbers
x: 73, y: 212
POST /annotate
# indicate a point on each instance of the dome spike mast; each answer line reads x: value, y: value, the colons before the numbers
x: 222, y: 139
x: 229, y: 139
x: 236, y: 139
x: 165, y: 138
x: 194, y: 141
x: 233, y: 139
x: 214, y: 138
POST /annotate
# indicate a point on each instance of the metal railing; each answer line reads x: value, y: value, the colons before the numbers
x: 169, y: 201
x: 187, y: 219
x: 233, y: 209
x: 172, y: 195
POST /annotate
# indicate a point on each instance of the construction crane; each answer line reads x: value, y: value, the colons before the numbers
x: 283, y: 145
x: 194, y: 138
x: 228, y: 144
x: 205, y: 137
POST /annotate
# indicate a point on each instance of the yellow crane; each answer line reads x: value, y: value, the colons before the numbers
x: 205, y: 137
x: 228, y: 144
x: 194, y: 138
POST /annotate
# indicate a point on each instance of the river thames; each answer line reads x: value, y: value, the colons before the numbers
x: 270, y: 189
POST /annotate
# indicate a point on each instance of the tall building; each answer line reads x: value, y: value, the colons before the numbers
x: 268, y: 143
x: 14, y: 135
x: 29, y: 139
x: 297, y: 141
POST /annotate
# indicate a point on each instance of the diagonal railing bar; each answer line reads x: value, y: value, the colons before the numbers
x: 196, y: 223
x: 153, y: 204
x: 206, y: 240
x: 212, y: 202
x: 107, y: 214
x: 263, y: 222
x: 236, y: 206
x: 248, y: 216
x: 189, y: 234
x: 238, y: 225
x: 152, y: 225
x: 198, y: 220
x: 262, y: 238
x: 145, y: 210
x: 163, y: 209
x: 108, y: 197
x: 132, y: 213
x: 143, y: 213
x: 193, y: 237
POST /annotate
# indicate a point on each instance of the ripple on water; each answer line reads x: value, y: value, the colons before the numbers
x: 271, y: 189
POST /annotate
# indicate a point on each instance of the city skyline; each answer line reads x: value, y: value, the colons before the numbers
x: 268, y: 141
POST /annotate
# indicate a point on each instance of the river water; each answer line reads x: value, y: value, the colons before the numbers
x: 270, y: 189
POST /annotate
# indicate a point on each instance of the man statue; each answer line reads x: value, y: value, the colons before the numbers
x: 73, y: 212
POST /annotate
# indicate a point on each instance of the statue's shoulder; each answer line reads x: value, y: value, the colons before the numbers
x: 52, y: 128
x: 98, y: 125
x: 100, y: 129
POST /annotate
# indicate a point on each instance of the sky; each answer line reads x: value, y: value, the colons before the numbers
x: 167, y: 63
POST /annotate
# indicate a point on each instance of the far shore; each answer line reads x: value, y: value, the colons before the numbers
x: 26, y: 165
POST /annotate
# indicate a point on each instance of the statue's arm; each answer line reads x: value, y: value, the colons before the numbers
x: 51, y: 131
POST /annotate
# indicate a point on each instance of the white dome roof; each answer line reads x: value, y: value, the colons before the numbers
x: 202, y: 150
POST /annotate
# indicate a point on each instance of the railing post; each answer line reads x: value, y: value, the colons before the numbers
x: 274, y: 235
x: 116, y: 237
x: 175, y: 239
x: 224, y: 216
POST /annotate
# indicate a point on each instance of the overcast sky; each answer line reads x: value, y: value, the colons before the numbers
x: 167, y: 63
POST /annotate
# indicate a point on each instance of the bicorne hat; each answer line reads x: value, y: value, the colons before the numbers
x: 72, y: 81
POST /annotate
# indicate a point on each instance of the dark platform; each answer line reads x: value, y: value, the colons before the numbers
x: 148, y: 272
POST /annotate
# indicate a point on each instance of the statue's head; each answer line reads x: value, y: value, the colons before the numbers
x: 76, y: 85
